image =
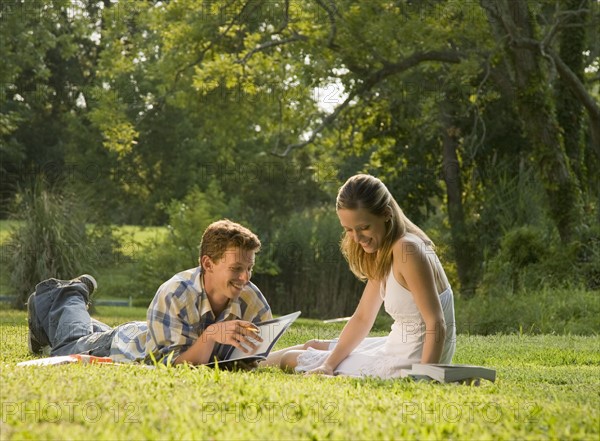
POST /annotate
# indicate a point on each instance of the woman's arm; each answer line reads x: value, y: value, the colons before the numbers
x: 356, y: 329
x: 412, y: 263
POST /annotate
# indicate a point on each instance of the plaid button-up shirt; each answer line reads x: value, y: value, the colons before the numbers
x: 178, y: 315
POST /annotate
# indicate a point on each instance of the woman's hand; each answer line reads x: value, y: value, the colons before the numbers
x: 324, y: 369
x: 238, y: 333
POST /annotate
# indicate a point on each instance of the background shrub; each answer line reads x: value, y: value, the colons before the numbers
x: 312, y: 273
x: 51, y: 240
x: 568, y: 310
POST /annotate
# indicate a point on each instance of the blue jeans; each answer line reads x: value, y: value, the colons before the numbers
x: 61, y: 312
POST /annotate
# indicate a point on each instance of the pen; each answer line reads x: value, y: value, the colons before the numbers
x: 251, y: 328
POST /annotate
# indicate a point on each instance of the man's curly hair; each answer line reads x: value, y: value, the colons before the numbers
x: 223, y: 234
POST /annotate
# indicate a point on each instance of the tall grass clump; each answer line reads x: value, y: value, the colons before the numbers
x: 50, y: 240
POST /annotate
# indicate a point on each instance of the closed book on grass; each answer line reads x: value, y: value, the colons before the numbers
x: 448, y: 373
x: 270, y: 331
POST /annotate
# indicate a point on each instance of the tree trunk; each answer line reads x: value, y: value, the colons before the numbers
x: 465, y: 254
x: 569, y: 109
x: 512, y: 22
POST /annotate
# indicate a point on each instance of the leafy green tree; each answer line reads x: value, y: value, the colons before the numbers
x: 272, y: 104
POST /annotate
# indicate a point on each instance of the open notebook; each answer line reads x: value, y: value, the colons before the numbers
x: 270, y: 331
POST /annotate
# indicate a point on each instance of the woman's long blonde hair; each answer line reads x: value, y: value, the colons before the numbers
x: 369, y: 193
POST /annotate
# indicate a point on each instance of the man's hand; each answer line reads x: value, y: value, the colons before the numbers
x: 238, y: 333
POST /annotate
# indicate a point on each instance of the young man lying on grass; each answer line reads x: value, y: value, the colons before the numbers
x: 191, y: 318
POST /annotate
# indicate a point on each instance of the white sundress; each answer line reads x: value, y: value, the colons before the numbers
x: 384, y: 357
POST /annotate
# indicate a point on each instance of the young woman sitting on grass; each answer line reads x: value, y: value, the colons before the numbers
x: 398, y: 262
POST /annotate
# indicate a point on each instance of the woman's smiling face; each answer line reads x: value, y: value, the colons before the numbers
x: 364, y: 228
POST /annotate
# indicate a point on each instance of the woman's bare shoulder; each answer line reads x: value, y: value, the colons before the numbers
x: 410, y: 245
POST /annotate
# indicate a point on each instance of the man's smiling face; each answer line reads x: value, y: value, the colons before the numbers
x: 229, y: 274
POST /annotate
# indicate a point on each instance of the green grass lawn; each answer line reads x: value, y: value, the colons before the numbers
x: 547, y: 388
